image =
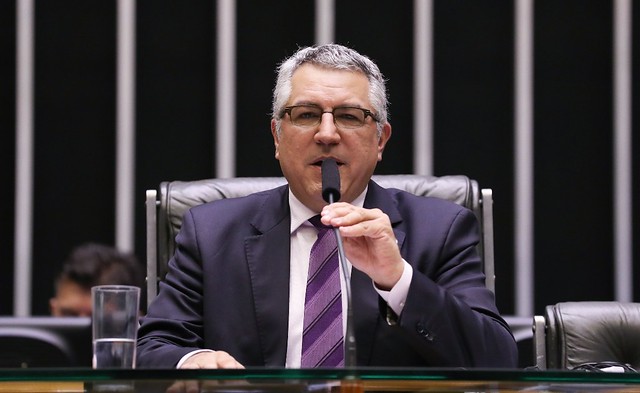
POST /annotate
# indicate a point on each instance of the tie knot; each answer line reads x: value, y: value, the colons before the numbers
x: 315, y: 220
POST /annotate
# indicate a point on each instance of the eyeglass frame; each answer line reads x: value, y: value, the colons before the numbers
x: 367, y: 113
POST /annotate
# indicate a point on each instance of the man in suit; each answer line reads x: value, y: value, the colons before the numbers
x: 234, y: 295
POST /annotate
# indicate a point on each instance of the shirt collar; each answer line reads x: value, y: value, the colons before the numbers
x: 300, y: 214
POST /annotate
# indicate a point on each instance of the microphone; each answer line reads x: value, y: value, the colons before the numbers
x: 331, y: 193
x: 330, y: 181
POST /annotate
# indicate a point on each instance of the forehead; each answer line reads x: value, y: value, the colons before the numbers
x: 69, y: 290
x: 315, y: 84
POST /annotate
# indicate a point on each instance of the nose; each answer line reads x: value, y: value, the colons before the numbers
x: 327, y: 132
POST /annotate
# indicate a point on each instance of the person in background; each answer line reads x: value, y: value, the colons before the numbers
x: 89, y: 265
x: 234, y: 295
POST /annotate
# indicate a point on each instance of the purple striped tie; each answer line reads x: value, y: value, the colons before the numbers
x: 322, y: 340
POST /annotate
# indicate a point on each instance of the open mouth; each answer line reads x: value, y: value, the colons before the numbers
x: 319, y: 163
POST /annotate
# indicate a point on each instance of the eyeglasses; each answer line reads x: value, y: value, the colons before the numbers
x: 344, y: 117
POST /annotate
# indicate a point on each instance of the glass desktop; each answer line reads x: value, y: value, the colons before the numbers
x: 317, y: 380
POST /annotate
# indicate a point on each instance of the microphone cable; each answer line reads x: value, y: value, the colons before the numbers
x: 331, y: 194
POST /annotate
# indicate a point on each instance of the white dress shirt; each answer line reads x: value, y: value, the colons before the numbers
x: 303, y: 235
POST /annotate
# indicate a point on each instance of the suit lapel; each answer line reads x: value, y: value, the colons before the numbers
x: 378, y: 197
x: 268, y: 262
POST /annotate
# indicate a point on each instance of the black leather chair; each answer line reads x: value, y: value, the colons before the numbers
x: 584, y: 334
x: 166, y: 206
x: 29, y: 342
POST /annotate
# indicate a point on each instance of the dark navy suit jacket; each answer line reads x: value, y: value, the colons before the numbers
x: 228, y: 288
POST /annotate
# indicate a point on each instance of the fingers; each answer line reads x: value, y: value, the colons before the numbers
x: 211, y: 359
x: 228, y: 361
x: 355, y: 221
x: 369, y: 242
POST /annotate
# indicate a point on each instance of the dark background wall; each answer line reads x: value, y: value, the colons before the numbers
x: 7, y: 148
x: 74, y: 141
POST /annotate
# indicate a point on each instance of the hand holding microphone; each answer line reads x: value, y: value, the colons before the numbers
x: 367, y: 233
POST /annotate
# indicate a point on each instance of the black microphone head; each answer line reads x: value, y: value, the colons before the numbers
x: 330, y: 180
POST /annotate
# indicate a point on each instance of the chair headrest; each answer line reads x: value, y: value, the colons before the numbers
x: 24, y: 347
x: 597, y: 332
x: 177, y: 197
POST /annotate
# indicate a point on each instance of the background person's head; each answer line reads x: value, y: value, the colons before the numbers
x: 89, y: 265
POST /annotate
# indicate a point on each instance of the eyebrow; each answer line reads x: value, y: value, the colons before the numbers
x: 310, y: 103
x: 305, y: 103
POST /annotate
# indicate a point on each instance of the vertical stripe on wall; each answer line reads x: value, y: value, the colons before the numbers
x: 24, y: 159
x: 125, y: 125
x: 623, y: 243
x: 225, y: 89
x: 324, y: 21
x: 423, y: 87
x: 524, y: 157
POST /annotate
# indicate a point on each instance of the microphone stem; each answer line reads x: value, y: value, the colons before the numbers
x: 350, y: 360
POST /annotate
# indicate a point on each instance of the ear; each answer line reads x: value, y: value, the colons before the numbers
x: 384, y: 138
x: 276, y: 139
x: 53, y: 306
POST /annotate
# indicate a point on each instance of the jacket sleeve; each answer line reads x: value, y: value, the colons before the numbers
x: 173, y: 325
x: 450, y: 317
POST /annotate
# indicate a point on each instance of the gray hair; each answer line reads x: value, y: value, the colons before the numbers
x: 332, y: 56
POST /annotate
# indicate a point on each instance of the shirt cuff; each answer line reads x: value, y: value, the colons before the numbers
x: 397, y: 296
x: 187, y: 356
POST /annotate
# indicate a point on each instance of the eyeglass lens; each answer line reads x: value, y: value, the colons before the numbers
x: 343, y: 117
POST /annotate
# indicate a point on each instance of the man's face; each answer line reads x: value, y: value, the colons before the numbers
x: 300, y: 150
x: 71, y: 300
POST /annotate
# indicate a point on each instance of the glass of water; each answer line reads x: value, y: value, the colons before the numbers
x: 115, y: 325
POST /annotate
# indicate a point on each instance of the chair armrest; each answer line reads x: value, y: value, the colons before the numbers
x: 487, y: 238
x: 151, y: 203
x: 539, y: 342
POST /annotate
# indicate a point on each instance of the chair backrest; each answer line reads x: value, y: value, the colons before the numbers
x: 28, y: 342
x: 572, y: 334
x: 166, y: 206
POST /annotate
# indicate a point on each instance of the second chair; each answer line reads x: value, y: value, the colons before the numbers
x: 588, y: 334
